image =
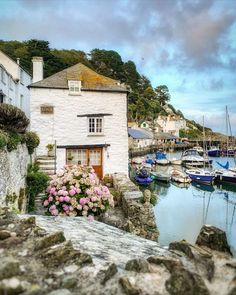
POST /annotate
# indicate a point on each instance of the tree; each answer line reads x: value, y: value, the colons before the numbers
x: 163, y: 94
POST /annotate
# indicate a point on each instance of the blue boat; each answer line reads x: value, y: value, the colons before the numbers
x: 214, y: 152
x: 161, y: 158
x: 143, y: 181
x: 142, y: 176
x: 201, y: 175
x: 150, y: 161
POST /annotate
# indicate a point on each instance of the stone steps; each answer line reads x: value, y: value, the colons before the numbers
x: 46, y: 164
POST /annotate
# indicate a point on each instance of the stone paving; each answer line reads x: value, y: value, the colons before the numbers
x: 103, y: 242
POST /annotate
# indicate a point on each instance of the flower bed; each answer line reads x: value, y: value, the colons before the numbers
x: 75, y: 191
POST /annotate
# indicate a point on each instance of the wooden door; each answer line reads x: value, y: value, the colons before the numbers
x: 95, y: 160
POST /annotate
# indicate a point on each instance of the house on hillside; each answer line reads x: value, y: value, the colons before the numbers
x: 84, y: 114
x: 140, y: 138
x: 170, y: 124
x: 13, y: 83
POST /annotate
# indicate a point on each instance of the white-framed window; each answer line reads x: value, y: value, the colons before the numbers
x: 95, y: 125
x: 22, y: 76
x: 74, y: 87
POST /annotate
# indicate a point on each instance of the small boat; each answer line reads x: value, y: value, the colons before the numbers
x: 179, y: 176
x: 165, y: 177
x: 191, y: 158
x: 230, y: 152
x: 161, y: 158
x: 142, y: 176
x: 201, y: 175
x: 150, y: 161
x: 213, y: 152
x: 137, y: 160
x: 176, y: 162
x: 199, y: 149
x: 223, y: 175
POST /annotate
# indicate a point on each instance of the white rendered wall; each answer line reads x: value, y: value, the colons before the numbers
x: 22, y: 80
x: 67, y: 129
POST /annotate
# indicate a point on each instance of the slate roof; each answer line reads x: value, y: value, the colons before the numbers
x: 90, y: 80
x: 139, y: 133
x: 164, y: 135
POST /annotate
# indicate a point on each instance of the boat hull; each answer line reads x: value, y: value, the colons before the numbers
x: 143, y: 181
x: 227, y: 179
x: 213, y: 153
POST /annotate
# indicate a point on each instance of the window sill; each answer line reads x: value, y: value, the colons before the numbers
x: 95, y: 134
x: 75, y: 94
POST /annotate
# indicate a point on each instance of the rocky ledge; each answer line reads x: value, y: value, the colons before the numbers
x: 37, y: 258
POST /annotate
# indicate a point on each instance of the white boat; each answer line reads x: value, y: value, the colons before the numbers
x: 179, y: 176
x: 223, y: 175
x: 191, y: 158
x: 137, y: 160
x: 176, y: 162
x: 165, y: 177
x: 199, y: 149
x: 161, y: 159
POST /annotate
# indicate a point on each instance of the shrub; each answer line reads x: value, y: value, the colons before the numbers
x: 36, y: 182
x: 13, y: 119
x: 3, y: 139
x: 76, y: 191
x: 32, y: 141
x: 13, y: 140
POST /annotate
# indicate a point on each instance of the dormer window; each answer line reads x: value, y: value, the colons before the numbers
x: 74, y: 87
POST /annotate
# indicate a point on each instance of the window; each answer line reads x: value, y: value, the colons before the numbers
x: 3, y: 77
x: 21, y: 76
x: 95, y: 125
x: 21, y: 101
x: 1, y: 98
x: 74, y: 87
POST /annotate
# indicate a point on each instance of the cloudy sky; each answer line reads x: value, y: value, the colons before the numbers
x: 189, y: 45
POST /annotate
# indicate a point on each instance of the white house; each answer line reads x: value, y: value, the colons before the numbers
x: 84, y: 114
x: 170, y: 124
x: 140, y: 138
x: 13, y: 83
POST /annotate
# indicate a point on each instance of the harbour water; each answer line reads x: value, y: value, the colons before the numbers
x: 182, y: 210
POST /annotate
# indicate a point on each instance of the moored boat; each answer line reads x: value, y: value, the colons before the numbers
x: 137, y: 160
x: 143, y: 176
x: 201, y: 175
x: 165, y: 177
x: 161, y: 159
x: 191, y: 158
x: 179, y: 176
x: 199, y: 149
x: 176, y: 162
x: 223, y: 175
x: 213, y: 152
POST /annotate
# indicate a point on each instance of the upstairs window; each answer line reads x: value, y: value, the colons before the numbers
x: 74, y: 87
x: 22, y: 76
x: 95, y: 125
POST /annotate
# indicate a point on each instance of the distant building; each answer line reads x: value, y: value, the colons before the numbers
x: 84, y: 114
x: 170, y: 124
x: 140, y: 138
x: 13, y: 83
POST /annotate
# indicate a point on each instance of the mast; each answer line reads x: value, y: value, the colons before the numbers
x: 227, y: 133
x: 203, y: 141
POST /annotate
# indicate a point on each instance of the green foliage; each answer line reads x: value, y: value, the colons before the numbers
x: 36, y: 182
x: 13, y: 140
x: 3, y: 139
x: 12, y: 119
x: 32, y: 141
x: 163, y: 94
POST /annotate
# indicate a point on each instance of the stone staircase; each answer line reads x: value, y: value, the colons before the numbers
x: 39, y: 209
x: 46, y: 164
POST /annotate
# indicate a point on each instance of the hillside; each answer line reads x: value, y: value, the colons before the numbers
x: 145, y: 101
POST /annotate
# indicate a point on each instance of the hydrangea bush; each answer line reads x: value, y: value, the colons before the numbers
x: 75, y: 191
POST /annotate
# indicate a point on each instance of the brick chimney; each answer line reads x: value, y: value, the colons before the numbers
x: 37, y: 68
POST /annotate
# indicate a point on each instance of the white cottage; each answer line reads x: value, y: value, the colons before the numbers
x: 13, y: 83
x: 84, y: 114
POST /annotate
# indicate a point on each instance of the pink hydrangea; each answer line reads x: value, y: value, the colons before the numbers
x: 94, y: 199
x: 67, y: 199
x: 72, y: 192
x: 50, y: 198
x: 82, y: 201
x: 45, y: 203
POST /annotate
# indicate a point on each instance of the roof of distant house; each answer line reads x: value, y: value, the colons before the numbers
x: 164, y: 135
x: 140, y: 133
x: 90, y: 80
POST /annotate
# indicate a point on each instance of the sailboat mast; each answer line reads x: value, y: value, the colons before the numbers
x: 227, y: 132
x: 203, y: 141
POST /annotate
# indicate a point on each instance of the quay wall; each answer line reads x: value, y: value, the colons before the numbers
x: 13, y: 170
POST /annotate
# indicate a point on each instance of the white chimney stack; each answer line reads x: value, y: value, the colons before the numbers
x: 37, y: 68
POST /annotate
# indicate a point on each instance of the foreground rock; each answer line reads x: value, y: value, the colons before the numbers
x: 69, y: 256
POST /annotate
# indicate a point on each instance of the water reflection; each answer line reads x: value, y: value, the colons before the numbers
x: 182, y: 209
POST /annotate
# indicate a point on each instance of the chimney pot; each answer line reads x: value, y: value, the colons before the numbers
x: 18, y: 60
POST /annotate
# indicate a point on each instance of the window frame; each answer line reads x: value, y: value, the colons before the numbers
x: 96, y: 125
x: 72, y: 86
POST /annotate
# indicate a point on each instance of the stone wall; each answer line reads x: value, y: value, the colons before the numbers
x: 141, y: 219
x: 13, y: 169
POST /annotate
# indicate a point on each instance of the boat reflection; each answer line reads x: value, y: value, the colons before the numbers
x: 203, y: 187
